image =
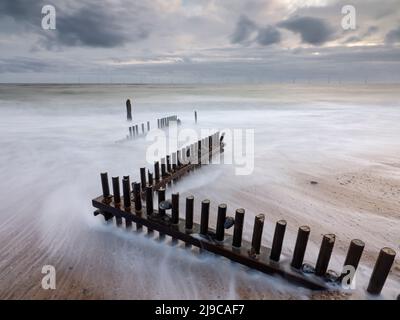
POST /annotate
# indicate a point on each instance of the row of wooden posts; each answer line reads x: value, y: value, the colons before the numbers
x: 142, y: 129
x: 251, y: 254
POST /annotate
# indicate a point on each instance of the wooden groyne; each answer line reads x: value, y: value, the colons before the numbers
x: 136, y: 206
x: 141, y: 129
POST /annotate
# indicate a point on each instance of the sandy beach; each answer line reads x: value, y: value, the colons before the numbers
x: 57, y: 139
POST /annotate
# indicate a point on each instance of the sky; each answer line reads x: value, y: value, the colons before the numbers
x: 199, y: 41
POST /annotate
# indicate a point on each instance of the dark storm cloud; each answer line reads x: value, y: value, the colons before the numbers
x: 93, y: 27
x: 94, y: 24
x: 393, y: 36
x: 268, y: 35
x: 312, y: 30
x: 243, y: 31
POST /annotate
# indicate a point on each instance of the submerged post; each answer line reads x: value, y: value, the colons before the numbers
x: 257, y: 234
x: 128, y: 110
x: 205, y: 212
x: 381, y: 270
x: 238, y: 228
x: 300, y: 247
x: 195, y: 116
x: 277, y: 243
x: 149, y: 205
x: 324, y: 255
x: 220, y: 231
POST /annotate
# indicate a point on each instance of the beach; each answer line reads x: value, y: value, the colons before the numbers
x: 326, y: 156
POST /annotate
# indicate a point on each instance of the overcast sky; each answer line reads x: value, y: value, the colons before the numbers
x: 199, y: 41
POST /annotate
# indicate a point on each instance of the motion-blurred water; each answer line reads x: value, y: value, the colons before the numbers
x: 56, y: 139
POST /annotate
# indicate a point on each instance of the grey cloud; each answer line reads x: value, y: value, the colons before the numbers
x: 243, y: 31
x: 20, y: 64
x: 312, y: 30
x: 393, y: 36
x: 268, y: 35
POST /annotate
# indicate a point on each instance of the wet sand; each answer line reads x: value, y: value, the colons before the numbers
x: 51, y: 172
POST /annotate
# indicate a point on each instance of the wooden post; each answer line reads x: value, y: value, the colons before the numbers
x: 126, y: 192
x: 128, y: 110
x: 130, y: 132
x: 157, y: 171
x: 189, y: 212
x: 143, y: 178
x: 324, y: 255
x: 205, y: 212
x: 161, y: 198
x: 300, y: 247
x: 353, y: 257
x: 148, y: 125
x: 116, y: 191
x: 175, y: 208
x: 163, y: 168
x: 277, y: 243
x: 143, y: 128
x: 104, y: 184
x: 169, y: 163
x: 149, y: 205
x: 257, y: 234
x: 178, y: 159
x: 381, y: 270
x: 220, y: 230
x: 150, y: 178
x: 238, y: 228
x: 174, y: 162
x: 195, y: 116
x: 136, y: 196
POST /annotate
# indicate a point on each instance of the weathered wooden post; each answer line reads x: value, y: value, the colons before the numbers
x: 150, y: 178
x: 300, y: 247
x: 205, y: 212
x: 381, y: 270
x: 116, y: 191
x: 220, y: 230
x: 148, y: 125
x: 257, y: 234
x: 324, y: 255
x: 143, y: 178
x: 238, y: 228
x: 168, y: 163
x: 130, y: 132
x: 136, y: 196
x: 142, y: 128
x: 189, y: 212
x: 158, y: 123
x: 178, y: 159
x: 137, y: 129
x: 161, y: 198
x: 175, y: 208
x: 105, y: 186
x: 157, y: 171
x: 174, y: 162
x: 149, y: 205
x: 126, y: 193
x: 163, y: 168
x: 128, y: 110
x: 277, y: 242
x: 133, y: 132
x: 195, y: 116
x: 161, y: 212
x: 353, y: 257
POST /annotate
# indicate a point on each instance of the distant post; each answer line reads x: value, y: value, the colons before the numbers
x: 128, y: 110
x: 195, y: 116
